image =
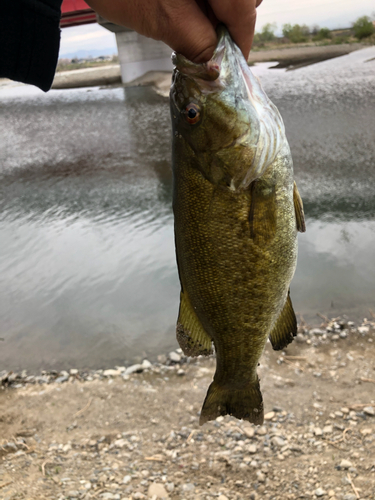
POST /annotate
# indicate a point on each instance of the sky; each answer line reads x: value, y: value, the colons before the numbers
x: 326, y: 13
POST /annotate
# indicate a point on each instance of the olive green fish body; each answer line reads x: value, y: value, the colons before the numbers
x: 236, y: 246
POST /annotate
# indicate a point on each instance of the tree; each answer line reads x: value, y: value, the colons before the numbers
x: 296, y: 33
x: 268, y: 32
x: 323, y: 34
x: 363, y: 27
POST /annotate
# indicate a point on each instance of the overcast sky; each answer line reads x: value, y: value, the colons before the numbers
x: 325, y: 13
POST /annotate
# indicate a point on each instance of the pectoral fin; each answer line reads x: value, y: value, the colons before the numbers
x: 298, y: 208
x: 191, y: 336
x: 285, y: 328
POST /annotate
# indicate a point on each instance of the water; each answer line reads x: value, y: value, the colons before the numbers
x: 87, y: 268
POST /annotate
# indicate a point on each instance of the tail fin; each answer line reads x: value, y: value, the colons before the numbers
x: 245, y: 403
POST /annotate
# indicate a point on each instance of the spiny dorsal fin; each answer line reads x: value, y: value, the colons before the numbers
x: 285, y: 327
x: 298, y: 208
x: 191, y: 336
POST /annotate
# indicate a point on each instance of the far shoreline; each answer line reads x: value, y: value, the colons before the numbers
x: 287, y: 57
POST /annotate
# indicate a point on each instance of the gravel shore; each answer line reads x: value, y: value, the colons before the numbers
x: 132, y: 432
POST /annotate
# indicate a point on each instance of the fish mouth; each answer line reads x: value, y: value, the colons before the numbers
x: 211, y: 69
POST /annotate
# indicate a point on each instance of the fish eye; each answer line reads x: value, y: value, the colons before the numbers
x: 192, y: 113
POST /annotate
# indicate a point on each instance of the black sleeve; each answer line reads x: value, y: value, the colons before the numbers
x: 29, y: 40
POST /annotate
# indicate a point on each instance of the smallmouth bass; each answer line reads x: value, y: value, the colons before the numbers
x: 237, y: 212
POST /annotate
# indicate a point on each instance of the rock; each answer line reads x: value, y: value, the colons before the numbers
x: 162, y: 358
x: 278, y: 441
x: 252, y: 448
x: 222, y: 497
x: 369, y: 410
x: 137, y: 368
x: 109, y: 496
x: 111, y: 373
x: 317, y: 331
x: 331, y: 493
x: 261, y: 477
x: 138, y: 495
x: 174, y: 356
x: 73, y: 371
x: 262, y: 431
x: 363, y: 329
x: 120, y: 443
x: 350, y: 496
x: 318, y: 431
x: 180, y: 372
x: 300, y: 338
x: 146, y: 364
x: 66, y: 448
x: 62, y: 379
x: 327, y: 429
x: 126, y: 479
x: 249, y: 431
x: 157, y: 490
x: 170, y: 487
x: 345, y: 464
x: 319, y: 492
x: 188, y: 487
x: 269, y: 415
x: 343, y: 334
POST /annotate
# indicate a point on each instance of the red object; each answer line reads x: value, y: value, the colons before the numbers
x: 76, y: 12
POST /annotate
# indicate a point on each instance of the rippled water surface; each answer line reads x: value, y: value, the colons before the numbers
x: 87, y: 267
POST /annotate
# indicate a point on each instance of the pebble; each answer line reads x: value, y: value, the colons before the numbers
x: 319, y: 492
x: 328, y: 429
x: 133, y: 369
x: 252, y: 448
x: 222, y: 497
x: 73, y: 371
x: 350, y: 496
x: 170, y: 487
x: 369, y: 410
x: 157, y: 490
x: 269, y: 415
x: 345, y: 464
x: 261, y: 476
x: 111, y: 373
x: 318, y: 431
x: 188, y: 487
x: 127, y: 479
x: 146, y: 364
x: 317, y: 331
x: 62, y: 379
x: 343, y: 334
x: 174, y: 356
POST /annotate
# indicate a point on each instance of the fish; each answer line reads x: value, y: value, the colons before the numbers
x: 237, y: 212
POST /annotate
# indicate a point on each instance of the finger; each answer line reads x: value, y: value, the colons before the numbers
x: 189, y: 31
x: 239, y: 16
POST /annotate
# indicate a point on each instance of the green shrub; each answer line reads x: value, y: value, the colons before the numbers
x: 266, y: 35
x: 363, y: 27
x: 322, y: 34
x: 296, y: 33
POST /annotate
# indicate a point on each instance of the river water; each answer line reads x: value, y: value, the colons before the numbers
x: 87, y: 267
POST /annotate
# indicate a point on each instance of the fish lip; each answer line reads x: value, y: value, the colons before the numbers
x: 209, y: 70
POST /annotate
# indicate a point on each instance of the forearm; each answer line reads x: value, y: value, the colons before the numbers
x: 29, y: 40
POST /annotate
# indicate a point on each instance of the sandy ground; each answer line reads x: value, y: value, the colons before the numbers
x: 117, y: 435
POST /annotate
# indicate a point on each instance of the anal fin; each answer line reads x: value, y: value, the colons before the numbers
x: 285, y: 328
x: 298, y: 208
x: 193, y: 339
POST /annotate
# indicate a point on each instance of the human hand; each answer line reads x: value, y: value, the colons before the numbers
x: 187, y: 26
